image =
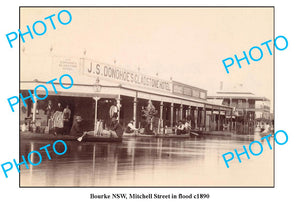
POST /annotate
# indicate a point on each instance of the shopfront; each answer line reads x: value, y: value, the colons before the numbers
x: 97, y: 86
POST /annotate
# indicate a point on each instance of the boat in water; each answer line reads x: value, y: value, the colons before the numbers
x: 156, y: 136
x: 86, y: 138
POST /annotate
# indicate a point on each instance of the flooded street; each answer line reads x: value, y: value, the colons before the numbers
x: 150, y: 162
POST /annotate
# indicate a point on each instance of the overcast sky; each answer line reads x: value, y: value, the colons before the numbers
x: 187, y: 44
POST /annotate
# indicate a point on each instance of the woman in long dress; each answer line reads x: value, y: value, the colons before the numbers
x: 58, y: 120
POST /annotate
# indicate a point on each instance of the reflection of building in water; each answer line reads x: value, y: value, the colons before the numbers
x: 97, y: 86
x: 106, y: 164
x: 247, y: 107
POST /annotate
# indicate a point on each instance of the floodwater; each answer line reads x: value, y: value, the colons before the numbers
x: 149, y: 162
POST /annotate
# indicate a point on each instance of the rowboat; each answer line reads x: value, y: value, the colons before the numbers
x: 86, y: 138
x: 263, y: 134
x: 174, y: 136
x: 156, y: 136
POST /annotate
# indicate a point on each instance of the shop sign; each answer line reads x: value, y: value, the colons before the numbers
x: 120, y: 75
x: 182, y: 89
x: 66, y: 65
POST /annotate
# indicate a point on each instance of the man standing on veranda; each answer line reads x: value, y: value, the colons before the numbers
x: 113, y: 111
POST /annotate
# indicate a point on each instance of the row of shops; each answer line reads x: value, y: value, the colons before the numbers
x: 98, y: 86
x: 202, y: 116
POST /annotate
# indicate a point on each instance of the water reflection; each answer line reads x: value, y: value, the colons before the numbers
x: 148, y: 162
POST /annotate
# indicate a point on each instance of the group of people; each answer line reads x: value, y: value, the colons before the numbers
x: 265, y: 127
x: 183, y: 127
x: 131, y: 128
x: 58, y: 118
x: 114, y: 129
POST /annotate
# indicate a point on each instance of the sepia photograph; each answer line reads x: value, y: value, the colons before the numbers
x: 146, y: 96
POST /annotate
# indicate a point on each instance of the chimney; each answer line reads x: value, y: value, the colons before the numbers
x: 221, y: 85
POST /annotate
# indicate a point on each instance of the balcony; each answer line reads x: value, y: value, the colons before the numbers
x: 243, y: 105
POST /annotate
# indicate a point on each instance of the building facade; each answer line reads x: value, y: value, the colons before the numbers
x: 247, y: 108
x: 98, y: 85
